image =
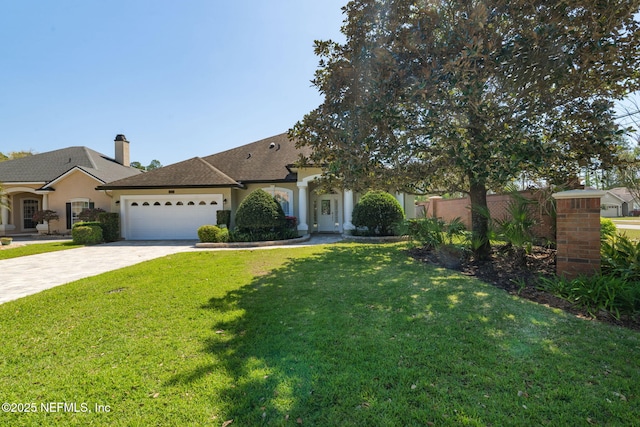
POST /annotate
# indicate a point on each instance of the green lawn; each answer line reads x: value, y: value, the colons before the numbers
x: 36, y: 248
x: 340, y: 335
x: 630, y: 233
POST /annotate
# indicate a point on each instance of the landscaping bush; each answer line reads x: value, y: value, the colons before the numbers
x: 616, y: 290
x: 90, y: 214
x: 86, y: 233
x: 213, y: 234
x: 291, y: 222
x: 428, y: 232
x: 87, y: 224
x: 621, y: 258
x: 612, y: 294
x: 607, y: 229
x: 431, y: 233
x: 45, y: 215
x: 256, y: 235
x: 259, y: 213
x: 379, y: 212
x: 223, y: 217
x: 110, y: 223
x: 516, y: 226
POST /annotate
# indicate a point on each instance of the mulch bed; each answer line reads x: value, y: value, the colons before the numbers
x: 519, y: 279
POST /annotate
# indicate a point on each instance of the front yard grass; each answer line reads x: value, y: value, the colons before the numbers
x: 36, y: 248
x: 629, y: 232
x: 347, y: 334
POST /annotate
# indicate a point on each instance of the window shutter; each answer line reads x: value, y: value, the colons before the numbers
x: 68, y: 216
x: 91, y: 205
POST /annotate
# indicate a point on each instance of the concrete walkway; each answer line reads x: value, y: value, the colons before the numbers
x: 28, y: 275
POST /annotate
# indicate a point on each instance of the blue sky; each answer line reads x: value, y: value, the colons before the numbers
x: 179, y: 78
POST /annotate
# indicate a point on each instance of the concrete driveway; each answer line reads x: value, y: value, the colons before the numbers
x: 28, y: 275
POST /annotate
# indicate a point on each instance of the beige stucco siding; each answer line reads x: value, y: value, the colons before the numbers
x: 75, y: 186
x: 78, y: 185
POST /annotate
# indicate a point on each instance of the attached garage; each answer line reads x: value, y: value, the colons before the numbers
x: 167, y: 217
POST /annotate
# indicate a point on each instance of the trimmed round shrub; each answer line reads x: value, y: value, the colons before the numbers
x: 87, y: 234
x: 213, y: 234
x: 379, y: 212
x: 259, y: 212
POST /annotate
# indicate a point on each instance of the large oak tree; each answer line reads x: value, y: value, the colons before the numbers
x: 466, y: 95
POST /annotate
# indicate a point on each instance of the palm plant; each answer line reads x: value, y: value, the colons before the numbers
x: 516, y: 226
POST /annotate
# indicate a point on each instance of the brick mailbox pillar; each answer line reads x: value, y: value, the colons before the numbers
x: 578, y: 232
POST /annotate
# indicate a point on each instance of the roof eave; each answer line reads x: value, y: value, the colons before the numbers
x: 164, y: 187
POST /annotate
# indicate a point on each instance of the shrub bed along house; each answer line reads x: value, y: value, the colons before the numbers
x: 213, y: 234
x: 87, y: 233
x: 110, y: 223
x: 223, y: 217
x: 260, y: 217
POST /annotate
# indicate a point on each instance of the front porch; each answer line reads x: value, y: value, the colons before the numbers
x: 322, y: 212
x: 18, y: 206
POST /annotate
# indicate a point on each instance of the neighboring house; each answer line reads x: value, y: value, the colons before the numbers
x: 618, y: 202
x: 64, y: 181
x: 173, y: 201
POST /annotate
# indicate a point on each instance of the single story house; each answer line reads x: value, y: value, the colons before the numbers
x: 63, y: 181
x: 618, y: 202
x: 172, y: 202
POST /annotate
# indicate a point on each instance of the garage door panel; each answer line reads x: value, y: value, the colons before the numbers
x: 177, y: 217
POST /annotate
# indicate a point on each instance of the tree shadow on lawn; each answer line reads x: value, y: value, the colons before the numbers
x: 363, y: 335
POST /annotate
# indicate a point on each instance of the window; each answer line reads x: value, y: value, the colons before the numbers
x: 284, y: 196
x: 77, y: 207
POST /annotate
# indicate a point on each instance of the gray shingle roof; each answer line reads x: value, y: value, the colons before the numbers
x: 46, y: 167
x: 264, y: 160
x: 623, y: 193
x: 194, y: 172
x: 261, y: 161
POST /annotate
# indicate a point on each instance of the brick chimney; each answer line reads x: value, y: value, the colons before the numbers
x: 122, y: 150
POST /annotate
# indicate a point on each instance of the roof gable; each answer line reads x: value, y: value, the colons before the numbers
x: 47, y: 167
x: 68, y: 173
x: 194, y: 172
x: 622, y: 193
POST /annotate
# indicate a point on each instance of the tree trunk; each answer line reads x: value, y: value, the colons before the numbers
x: 479, y: 221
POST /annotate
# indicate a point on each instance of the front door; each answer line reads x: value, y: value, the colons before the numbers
x: 327, y: 213
x: 29, y: 207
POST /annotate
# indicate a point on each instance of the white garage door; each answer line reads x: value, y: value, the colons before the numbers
x: 167, y: 217
x: 610, y: 211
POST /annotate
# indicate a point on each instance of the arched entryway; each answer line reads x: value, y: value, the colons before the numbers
x: 22, y: 203
x: 321, y: 211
